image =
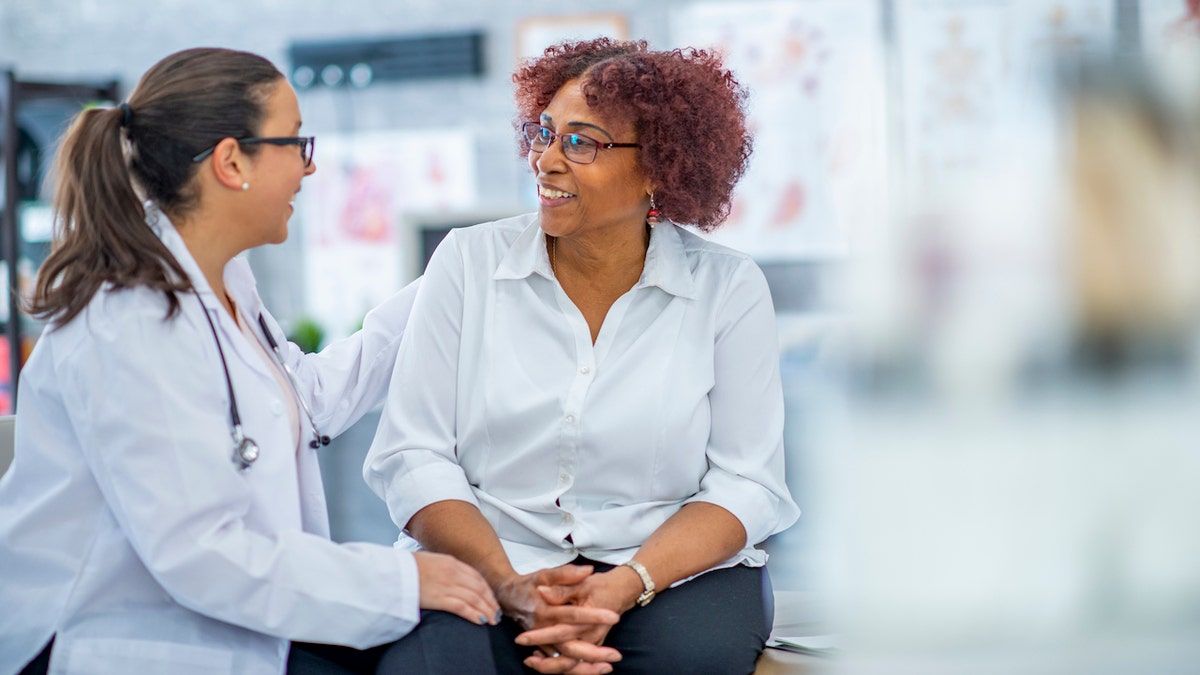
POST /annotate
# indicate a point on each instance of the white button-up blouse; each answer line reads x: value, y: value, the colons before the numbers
x: 499, y: 398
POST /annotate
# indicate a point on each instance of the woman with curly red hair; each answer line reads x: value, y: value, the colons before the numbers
x: 601, y: 421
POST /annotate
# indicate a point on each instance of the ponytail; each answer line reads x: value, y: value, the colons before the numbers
x: 184, y: 104
x: 101, y: 233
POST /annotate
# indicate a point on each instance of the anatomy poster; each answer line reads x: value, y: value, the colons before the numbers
x: 1171, y: 40
x: 534, y: 34
x: 1062, y: 29
x: 1168, y: 21
x: 952, y: 83
x: 352, y: 216
x: 814, y: 70
x: 970, y: 69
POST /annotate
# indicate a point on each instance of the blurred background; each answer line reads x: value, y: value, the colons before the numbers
x: 980, y: 220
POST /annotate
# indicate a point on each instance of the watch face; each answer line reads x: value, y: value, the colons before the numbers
x: 645, y: 598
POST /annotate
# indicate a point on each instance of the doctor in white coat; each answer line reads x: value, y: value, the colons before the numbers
x: 164, y: 512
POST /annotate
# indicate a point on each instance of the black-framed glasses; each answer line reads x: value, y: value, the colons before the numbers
x: 576, y: 147
x: 307, y: 144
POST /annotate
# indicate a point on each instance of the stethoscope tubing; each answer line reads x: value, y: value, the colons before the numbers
x: 245, y: 449
x: 318, y: 438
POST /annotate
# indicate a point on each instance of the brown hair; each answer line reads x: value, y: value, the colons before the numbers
x: 183, y: 105
x: 687, y: 109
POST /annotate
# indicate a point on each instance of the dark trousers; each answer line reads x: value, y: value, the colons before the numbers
x: 445, y: 645
x: 442, y: 644
x: 40, y: 663
x: 716, y: 623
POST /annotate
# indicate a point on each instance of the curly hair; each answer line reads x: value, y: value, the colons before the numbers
x: 688, y: 112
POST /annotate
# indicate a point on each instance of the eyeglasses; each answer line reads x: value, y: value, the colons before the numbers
x: 576, y: 147
x: 307, y: 145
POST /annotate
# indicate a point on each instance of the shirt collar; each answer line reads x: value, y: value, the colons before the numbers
x: 667, y: 263
x: 526, y: 255
x: 666, y: 260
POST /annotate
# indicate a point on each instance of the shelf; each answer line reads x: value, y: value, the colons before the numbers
x: 33, y: 114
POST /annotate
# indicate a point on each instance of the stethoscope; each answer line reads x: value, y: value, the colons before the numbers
x: 245, y: 450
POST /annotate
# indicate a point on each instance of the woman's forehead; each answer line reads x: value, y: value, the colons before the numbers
x: 569, y: 106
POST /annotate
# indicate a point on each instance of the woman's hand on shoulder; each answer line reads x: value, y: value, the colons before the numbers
x: 450, y: 585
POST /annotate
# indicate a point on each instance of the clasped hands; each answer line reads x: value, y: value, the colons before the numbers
x: 566, y: 612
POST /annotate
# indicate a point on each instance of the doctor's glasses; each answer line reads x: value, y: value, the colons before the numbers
x: 308, y: 145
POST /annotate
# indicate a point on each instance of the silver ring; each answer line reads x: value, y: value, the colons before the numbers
x: 555, y: 654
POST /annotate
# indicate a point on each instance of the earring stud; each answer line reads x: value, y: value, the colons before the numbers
x: 245, y: 186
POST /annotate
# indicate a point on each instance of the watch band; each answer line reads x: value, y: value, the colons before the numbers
x: 647, y: 583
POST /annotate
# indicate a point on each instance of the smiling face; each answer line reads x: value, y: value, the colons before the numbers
x: 276, y: 170
x: 588, y: 200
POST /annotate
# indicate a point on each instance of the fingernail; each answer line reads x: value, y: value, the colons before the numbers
x: 499, y: 615
x: 482, y: 620
x: 524, y: 641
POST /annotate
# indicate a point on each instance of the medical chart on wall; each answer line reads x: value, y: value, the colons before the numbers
x: 817, y: 110
x: 534, y: 34
x: 1171, y: 40
x: 969, y: 67
x: 353, y: 216
x: 952, y: 84
x: 1165, y: 22
x: 1061, y: 29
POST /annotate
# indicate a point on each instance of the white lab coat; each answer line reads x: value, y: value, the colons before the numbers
x: 127, y: 533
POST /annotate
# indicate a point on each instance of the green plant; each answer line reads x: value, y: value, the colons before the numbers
x: 307, y: 334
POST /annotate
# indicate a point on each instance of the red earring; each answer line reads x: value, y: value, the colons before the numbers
x: 653, y: 216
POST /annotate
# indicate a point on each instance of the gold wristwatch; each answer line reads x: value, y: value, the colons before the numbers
x: 647, y: 583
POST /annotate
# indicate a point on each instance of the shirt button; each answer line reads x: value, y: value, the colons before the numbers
x: 570, y: 419
x: 564, y: 478
x: 567, y: 518
x: 276, y: 407
x: 585, y: 370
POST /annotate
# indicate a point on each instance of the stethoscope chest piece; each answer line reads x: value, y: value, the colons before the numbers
x: 245, y: 451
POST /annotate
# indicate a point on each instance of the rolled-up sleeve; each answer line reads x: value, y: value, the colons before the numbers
x: 412, y: 461
x: 745, y: 449
x: 350, y: 376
